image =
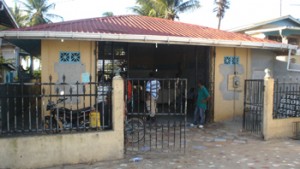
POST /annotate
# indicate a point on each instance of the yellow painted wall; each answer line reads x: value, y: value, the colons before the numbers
x: 50, y: 51
x: 229, y: 103
x: 50, y: 55
x: 275, y: 128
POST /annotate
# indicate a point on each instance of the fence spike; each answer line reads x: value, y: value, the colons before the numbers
x: 83, y: 89
x: 57, y: 90
x: 71, y: 90
x: 64, y: 78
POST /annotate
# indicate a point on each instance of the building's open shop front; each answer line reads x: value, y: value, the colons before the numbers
x: 168, y: 61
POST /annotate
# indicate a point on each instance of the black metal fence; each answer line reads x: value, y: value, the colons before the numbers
x: 171, y: 96
x: 286, y: 100
x: 49, y: 108
x: 166, y: 130
x: 253, y: 106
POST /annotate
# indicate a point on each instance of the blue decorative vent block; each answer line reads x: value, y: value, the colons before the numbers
x: 231, y: 60
x: 69, y: 57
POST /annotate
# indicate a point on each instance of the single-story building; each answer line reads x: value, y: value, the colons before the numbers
x: 92, y: 50
x: 145, y: 43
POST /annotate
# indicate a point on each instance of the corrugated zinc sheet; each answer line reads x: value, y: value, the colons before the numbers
x: 141, y: 25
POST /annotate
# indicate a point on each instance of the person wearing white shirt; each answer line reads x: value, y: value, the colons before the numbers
x: 152, y: 89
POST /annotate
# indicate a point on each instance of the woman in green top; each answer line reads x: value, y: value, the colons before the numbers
x: 201, y: 105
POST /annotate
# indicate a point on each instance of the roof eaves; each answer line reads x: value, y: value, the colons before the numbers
x: 265, y: 30
x: 11, y: 17
x: 242, y: 28
x: 272, y: 30
x: 142, y: 39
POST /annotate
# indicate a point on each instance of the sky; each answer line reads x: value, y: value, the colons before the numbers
x: 240, y: 13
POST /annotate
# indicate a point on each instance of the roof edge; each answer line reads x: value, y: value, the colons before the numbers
x: 272, y: 29
x: 253, y: 25
x: 141, y: 39
x: 12, y: 18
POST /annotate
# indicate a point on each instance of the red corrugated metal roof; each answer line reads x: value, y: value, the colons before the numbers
x: 141, y: 25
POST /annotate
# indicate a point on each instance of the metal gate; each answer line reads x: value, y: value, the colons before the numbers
x: 165, y: 132
x: 253, y: 106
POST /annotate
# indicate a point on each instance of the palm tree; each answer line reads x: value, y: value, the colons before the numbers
x: 20, y: 17
x: 222, y: 5
x: 37, y: 11
x: 108, y: 14
x: 145, y: 8
x: 169, y: 9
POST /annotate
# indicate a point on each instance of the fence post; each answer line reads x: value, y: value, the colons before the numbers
x: 268, y: 104
x: 118, y: 106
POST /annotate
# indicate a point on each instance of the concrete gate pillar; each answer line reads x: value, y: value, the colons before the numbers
x: 268, y: 104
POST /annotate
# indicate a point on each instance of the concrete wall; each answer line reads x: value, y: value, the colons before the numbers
x: 228, y: 101
x: 51, y: 150
x: 260, y: 60
x: 274, y: 128
x: 282, y: 74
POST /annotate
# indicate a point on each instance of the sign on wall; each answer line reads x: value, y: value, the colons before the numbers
x: 289, y: 106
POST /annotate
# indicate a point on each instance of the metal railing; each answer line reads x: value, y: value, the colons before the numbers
x: 49, y: 108
x: 164, y: 133
x: 286, y: 100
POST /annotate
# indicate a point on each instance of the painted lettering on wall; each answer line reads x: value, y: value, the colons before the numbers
x: 289, y: 106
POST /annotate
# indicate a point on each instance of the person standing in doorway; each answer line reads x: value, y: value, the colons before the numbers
x: 152, y: 89
x: 201, y: 105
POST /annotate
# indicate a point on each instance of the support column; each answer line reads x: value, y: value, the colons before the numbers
x: 268, y: 104
x: 118, y: 105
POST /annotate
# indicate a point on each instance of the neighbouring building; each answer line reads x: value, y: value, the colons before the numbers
x: 8, y: 52
x: 285, y: 29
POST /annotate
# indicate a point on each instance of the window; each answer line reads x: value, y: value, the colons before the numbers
x: 112, y: 58
x: 293, y: 41
x: 275, y: 38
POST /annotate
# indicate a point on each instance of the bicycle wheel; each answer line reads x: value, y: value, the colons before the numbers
x: 134, y: 130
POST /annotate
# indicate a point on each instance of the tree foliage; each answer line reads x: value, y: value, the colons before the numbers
x: 34, y: 12
x: 222, y: 5
x: 19, y: 16
x: 108, y: 14
x: 169, y: 9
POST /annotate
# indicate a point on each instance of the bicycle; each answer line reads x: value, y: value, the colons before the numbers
x: 134, y: 129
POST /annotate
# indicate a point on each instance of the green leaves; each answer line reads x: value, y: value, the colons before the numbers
x: 34, y: 12
x: 168, y: 9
